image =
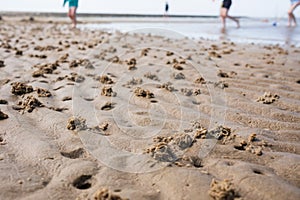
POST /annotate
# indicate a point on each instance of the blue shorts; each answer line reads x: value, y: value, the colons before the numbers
x: 72, y: 3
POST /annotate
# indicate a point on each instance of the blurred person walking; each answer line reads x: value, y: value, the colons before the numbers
x: 166, y: 9
x: 292, y: 18
x: 226, y: 4
x: 73, y: 5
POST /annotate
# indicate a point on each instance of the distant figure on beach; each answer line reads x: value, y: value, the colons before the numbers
x: 73, y: 5
x: 166, y: 9
x: 226, y: 4
x: 292, y: 18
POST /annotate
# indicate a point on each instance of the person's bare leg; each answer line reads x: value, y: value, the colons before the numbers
x: 234, y: 19
x: 292, y: 18
x: 223, y: 15
x: 72, y: 15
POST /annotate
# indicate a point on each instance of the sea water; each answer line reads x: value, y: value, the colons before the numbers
x: 252, y: 30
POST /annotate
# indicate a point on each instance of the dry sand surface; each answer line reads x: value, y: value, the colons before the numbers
x: 95, y: 115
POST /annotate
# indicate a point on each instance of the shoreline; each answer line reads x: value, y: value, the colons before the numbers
x: 253, y: 30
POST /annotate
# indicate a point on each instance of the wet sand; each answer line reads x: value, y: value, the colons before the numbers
x: 99, y: 115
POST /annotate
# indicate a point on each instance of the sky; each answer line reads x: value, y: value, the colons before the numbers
x: 251, y: 8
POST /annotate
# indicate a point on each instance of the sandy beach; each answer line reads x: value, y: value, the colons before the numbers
x: 92, y: 114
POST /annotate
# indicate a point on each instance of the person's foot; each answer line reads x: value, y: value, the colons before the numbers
x: 291, y: 25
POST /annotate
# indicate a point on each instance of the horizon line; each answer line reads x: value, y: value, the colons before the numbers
x: 84, y: 14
